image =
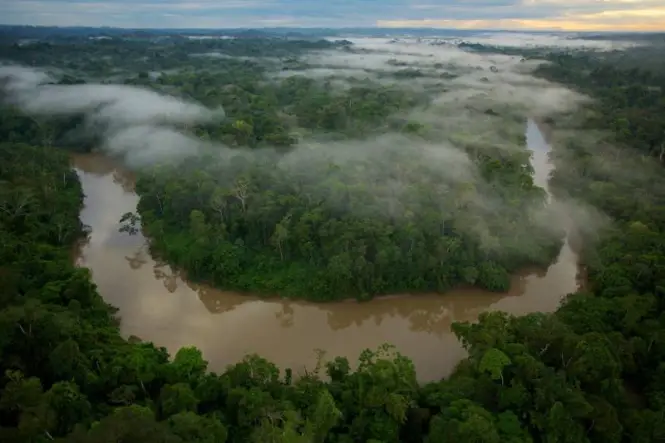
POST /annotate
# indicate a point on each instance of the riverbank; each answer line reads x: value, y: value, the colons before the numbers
x: 158, y: 305
x: 104, y: 350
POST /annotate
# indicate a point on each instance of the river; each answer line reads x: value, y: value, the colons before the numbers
x: 157, y: 305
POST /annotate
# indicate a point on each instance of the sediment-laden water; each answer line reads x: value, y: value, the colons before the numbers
x: 157, y: 305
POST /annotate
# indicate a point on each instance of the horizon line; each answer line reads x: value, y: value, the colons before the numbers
x: 332, y: 28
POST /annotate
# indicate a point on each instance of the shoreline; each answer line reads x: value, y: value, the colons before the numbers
x: 516, y: 277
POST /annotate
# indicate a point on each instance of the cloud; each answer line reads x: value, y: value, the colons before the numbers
x: 135, y: 123
x: 481, y: 110
x: 467, y: 14
x: 481, y: 105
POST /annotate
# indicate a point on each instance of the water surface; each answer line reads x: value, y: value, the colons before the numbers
x: 157, y: 305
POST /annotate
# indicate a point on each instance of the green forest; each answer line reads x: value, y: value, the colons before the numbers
x: 324, y: 230
x: 324, y: 225
x: 594, y: 371
x: 321, y: 228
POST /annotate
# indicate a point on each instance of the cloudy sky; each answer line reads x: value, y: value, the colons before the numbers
x: 620, y: 15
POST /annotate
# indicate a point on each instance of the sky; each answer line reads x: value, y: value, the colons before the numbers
x: 565, y: 15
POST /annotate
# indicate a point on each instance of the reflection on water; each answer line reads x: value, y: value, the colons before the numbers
x: 157, y: 305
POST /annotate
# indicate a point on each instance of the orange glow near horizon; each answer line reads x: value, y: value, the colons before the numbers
x: 640, y: 20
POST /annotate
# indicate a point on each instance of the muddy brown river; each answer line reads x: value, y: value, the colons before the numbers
x: 157, y: 305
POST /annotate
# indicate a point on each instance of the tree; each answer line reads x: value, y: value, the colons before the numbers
x: 197, y: 429
x: 493, y: 362
x: 177, y: 398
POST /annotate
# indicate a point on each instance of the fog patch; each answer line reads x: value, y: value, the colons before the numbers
x: 134, y: 122
x: 327, y: 73
x: 452, y: 77
x: 400, y: 178
x: 224, y: 56
x: 595, y: 155
x: 384, y: 175
x: 592, y: 172
x: 580, y: 219
x: 568, y: 41
x: 143, y: 145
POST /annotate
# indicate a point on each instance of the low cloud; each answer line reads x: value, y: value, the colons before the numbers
x: 480, y: 107
x: 136, y: 123
x: 466, y: 80
x: 116, y: 105
x: 530, y: 40
x: 478, y: 103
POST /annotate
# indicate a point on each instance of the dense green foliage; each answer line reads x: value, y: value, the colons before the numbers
x: 592, y: 372
x: 265, y: 110
x: 323, y: 228
x: 67, y: 372
x: 353, y: 221
x: 631, y: 97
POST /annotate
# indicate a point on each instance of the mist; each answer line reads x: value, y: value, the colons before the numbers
x: 558, y: 41
x: 483, y: 103
x: 476, y: 100
x: 477, y: 79
x: 135, y: 123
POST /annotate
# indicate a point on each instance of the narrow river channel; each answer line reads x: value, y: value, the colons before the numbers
x: 157, y: 305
